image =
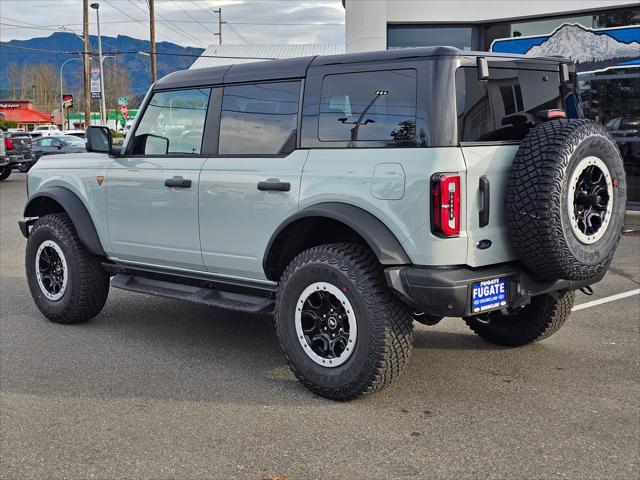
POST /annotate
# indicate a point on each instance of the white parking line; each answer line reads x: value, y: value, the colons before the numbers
x: 612, y: 298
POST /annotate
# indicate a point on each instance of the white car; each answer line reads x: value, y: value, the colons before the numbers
x: 75, y: 133
x: 45, y: 131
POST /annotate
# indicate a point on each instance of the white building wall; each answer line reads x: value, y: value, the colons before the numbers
x: 366, y: 20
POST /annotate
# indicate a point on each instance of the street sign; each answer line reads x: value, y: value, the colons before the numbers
x: 123, y: 109
x: 95, y: 83
x: 122, y: 100
x: 67, y: 101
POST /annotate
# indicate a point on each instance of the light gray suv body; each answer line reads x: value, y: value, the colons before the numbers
x: 344, y: 192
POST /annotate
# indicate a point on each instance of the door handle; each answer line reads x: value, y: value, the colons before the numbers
x: 485, y: 192
x: 275, y: 185
x: 178, y: 182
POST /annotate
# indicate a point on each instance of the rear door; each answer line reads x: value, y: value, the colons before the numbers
x: 253, y: 184
x: 153, y: 190
x: 494, y: 116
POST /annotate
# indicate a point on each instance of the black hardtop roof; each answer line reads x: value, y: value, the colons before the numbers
x: 297, y: 67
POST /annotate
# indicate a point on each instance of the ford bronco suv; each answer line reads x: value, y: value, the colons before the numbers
x: 350, y: 195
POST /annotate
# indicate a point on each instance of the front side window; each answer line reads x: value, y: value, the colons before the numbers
x: 259, y: 119
x: 172, y: 123
x: 369, y: 106
x: 504, y: 107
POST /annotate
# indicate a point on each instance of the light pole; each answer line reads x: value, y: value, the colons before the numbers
x: 61, y: 91
x: 103, y: 107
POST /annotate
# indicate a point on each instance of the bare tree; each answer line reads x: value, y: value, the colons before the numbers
x: 38, y: 83
x: 14, y: 72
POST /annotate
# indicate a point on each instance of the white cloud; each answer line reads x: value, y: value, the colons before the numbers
x: 256, y: 21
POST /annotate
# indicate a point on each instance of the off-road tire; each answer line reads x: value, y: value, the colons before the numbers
x: 5, y: 172
x: 537, y: 200
x: 88, y: 283
x: 540, y: 319
x: 385, y: 328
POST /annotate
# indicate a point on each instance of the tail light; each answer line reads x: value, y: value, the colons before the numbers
x: 445, y: 204
x: 8, y: 144
x: 552, y: 114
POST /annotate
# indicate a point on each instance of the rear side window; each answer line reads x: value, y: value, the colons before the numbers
x: 172, y: 123
x: 259, y: 119
x: 374, y: 106
x: 504, y: 107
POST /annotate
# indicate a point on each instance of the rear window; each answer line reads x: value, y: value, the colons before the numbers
x: 373, y: 106
x: 504, y: 107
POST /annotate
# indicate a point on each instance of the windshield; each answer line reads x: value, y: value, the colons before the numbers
x: 71, y: 141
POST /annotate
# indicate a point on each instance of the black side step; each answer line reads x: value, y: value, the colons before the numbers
x: 239, y: 302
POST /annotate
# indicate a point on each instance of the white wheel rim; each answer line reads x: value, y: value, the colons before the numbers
x: 54, y: 292
x: 577, y: 225
x: 329, y: 327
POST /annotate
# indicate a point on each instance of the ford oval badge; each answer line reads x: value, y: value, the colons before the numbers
x: 484, y: 244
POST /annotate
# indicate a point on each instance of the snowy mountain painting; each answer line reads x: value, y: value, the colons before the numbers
x: 590, y: 48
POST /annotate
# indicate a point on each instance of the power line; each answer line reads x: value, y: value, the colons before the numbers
x: 121, y: 52
x: 238, y: 34
x: 189, y: 15
x: 143, y: 22
x: 174, y: 28
x: 202, y: 22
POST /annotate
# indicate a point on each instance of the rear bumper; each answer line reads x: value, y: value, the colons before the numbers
x: 19, y: 158
x: 446, y: 291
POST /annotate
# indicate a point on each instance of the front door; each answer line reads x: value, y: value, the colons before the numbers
x: 253, y: 185
x: 153, y: 191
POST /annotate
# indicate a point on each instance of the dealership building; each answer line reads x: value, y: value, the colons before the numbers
x: 601, y: 36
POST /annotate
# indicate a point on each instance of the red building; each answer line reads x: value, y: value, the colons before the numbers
x: 22, y: 112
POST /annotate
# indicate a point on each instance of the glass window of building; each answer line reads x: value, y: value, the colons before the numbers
x: 614, y: 100
x: 409, y: 36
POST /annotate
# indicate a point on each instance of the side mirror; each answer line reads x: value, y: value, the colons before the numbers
x: 98, y: 139
x: 150, y: 144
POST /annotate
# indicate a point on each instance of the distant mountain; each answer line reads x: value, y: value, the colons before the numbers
x: 584, y: 46
x: 134, y: 65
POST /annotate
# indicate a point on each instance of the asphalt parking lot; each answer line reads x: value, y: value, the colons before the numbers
x: 155, y: 388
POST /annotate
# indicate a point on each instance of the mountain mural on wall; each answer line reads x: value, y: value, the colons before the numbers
x: 171, y: 57
x: 590, y: 48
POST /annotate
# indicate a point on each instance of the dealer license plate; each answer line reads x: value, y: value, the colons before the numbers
x: 489, y: 295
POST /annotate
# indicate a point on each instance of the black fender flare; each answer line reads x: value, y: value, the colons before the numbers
x: 382, y: 241
x: 77, y: 212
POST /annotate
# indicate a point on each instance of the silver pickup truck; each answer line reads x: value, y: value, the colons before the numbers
x: 350, y: 195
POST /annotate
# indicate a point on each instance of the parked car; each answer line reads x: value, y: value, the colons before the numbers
x: 350, y: 195
x: 45, y: 131
x: 17, y: 147
x: 75, y: 133
x: 57, y: 145
x: 5, y: 169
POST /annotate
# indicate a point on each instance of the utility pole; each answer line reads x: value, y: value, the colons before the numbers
x: 152, y: 40
x: 105, y: 118
x: 219, y: 12
x: 85, y: 58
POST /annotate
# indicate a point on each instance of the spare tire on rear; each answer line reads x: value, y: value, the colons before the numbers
x: 566, y: 200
